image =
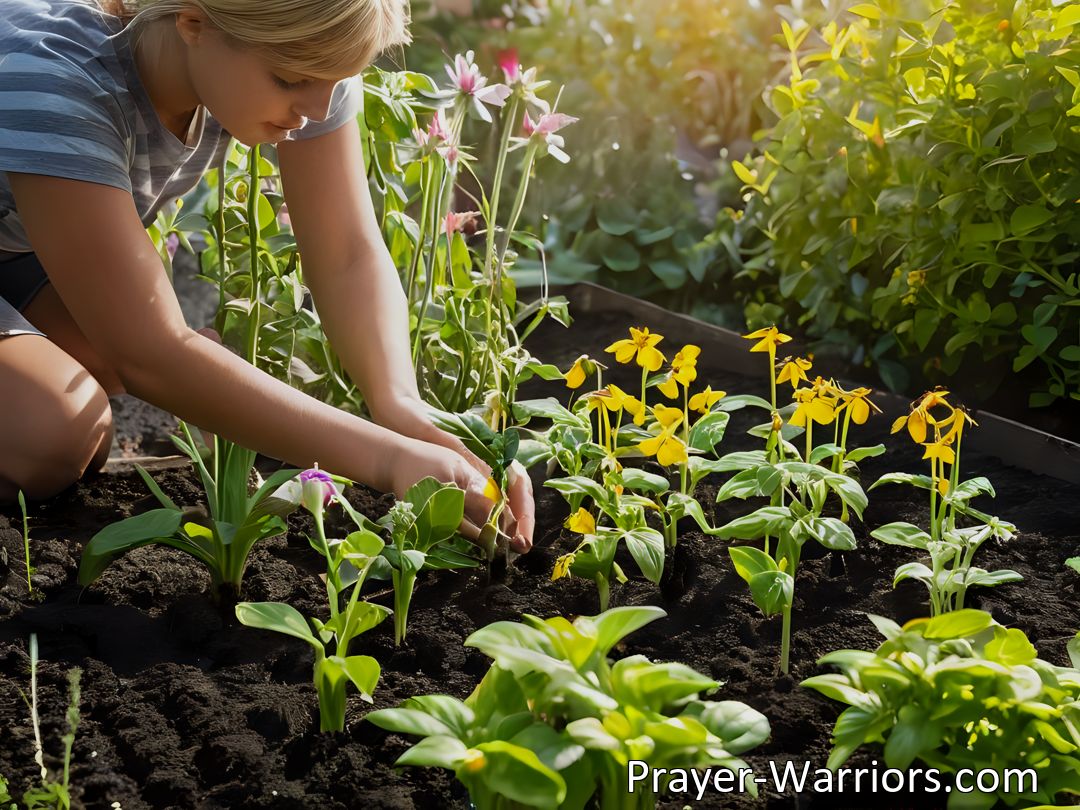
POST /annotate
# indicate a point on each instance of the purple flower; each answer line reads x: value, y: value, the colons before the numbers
x: 317, y: 489
x: 172, y: 244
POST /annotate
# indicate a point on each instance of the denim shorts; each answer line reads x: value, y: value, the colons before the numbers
x: 20, y: 280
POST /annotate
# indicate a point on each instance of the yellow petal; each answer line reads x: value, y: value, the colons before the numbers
x: 898, y: 425
x: 492, y: 491
x: 667, y: 417
x: 650, y: 446
x: 943, y: 486
x: 916, y: 425
x: 575, y: 376
x: 650, y: 358
x: 581, y: 522
x: 562, y: 566
x: 821, y: 411
x: 672, y: 451
x: 669, y: 387
x: 860, y: 411
x: 798, y: 419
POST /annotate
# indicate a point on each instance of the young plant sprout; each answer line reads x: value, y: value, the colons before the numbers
x: 221, y: 536
x: 26, y: 541
x: 349, y: 561
x: 939, y: 427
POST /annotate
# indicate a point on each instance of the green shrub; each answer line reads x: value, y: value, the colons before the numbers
x: 959, y: 691
x: 917, y: 198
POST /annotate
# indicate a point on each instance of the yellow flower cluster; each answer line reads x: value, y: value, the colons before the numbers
x: 934, y: 412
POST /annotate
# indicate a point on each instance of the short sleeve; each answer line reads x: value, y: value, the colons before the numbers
x: 345, y: 105
x: 56, y: 120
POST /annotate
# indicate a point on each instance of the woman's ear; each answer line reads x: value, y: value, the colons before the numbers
x: 191, y: 25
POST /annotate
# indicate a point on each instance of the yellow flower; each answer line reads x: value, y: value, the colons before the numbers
x: 683, y: 371
x: 576, y: 375
x: 562, y: 566
x: 619, y: 400
x: 581, y: 522
x: 703, y: 401
x: 812, y: 405
x: 793, y: 371
x: 939, y: 450
x: 921, y: 416
x: 640, y: 346
x: 958, y: 418
x: 857, y: 400
x: 767, y: 339
x: 492, y: 491
x: 667, y: 448
x: 669, y: 418
x: 777, y: 422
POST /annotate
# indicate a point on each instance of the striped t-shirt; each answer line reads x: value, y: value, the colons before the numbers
x: 72, y: 105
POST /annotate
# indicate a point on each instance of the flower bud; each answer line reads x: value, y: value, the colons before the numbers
x: 317, y: 489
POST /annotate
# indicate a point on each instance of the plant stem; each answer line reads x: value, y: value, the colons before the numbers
x: 253, y: 247
x: 26, y: 539
x: 785, y: 640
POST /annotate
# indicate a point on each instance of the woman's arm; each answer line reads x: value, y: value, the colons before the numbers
x: 358, y: 293
x: 106, y: 271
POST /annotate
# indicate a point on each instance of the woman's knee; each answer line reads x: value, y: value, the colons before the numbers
x: 73, y: 438
x: 59, y: 424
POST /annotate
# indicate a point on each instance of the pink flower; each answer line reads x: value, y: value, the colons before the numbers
x: 465, y: 221
x: 471, y: 87
x: 283, y: 216
x: 544, y: 130
x: 439, y: 129
x: 508, y: 62
x: 172, y: 244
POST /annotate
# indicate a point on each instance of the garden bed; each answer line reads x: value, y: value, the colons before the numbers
x: 182, y: 707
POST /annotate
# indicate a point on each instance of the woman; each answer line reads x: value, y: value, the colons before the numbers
x: 103, y: 119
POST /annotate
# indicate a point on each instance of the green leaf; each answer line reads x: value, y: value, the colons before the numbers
x: 766, y: 520
x: 958, y: 624
x: 868, y: 10
x: 739, y: 726
x: 279, y: 617
x: 1026, y: 218
x: 638, y: 480
x: 646, y: 546
x: 1010, y: 647
x: 834, y: 534
x: 910, y: 737
x: 613, y: 625
x: 902, y: 534
x: 152, y: 485
x: 1035, y: 141
x: 119, y: 538
x: 437, y: 751
x: 410, y: 721
x: 1041, y: 337
x: 708, y: 431
x: 616, y: 217
x: 363, y: 671
x: 518, y: 774
x: 621, y: 257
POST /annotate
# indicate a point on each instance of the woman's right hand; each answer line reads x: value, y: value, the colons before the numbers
x: 413, y: 460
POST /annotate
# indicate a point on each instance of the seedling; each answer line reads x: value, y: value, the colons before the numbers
x: 222, y: 536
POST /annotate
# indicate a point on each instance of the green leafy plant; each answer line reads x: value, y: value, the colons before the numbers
x: 914, y: 204
x: 420, y: 526
x: 795, y: 482
x: 349, y: 561
x: 960, y: 691
x: 221, y: 536
x: 952, y: 548
x: 554, y: 723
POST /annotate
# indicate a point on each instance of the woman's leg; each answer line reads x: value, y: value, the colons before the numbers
x: 55, y: 419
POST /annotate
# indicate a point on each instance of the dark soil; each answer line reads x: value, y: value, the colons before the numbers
x: 181, y: 707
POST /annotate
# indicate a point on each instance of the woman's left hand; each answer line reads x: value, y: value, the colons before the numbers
x: 519, y: 515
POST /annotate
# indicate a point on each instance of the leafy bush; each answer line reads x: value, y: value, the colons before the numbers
x: 918, y: 194
x: 959, y: 691
x: 554, y: 723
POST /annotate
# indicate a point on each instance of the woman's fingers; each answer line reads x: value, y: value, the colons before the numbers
x: 522, y: 506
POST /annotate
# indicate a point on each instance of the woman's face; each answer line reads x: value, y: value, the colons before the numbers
x: 249, y: 97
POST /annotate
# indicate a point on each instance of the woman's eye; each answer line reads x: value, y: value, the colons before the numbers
x: 286, y: 85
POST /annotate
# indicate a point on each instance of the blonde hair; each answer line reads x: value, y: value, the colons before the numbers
x: 322, y: 38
